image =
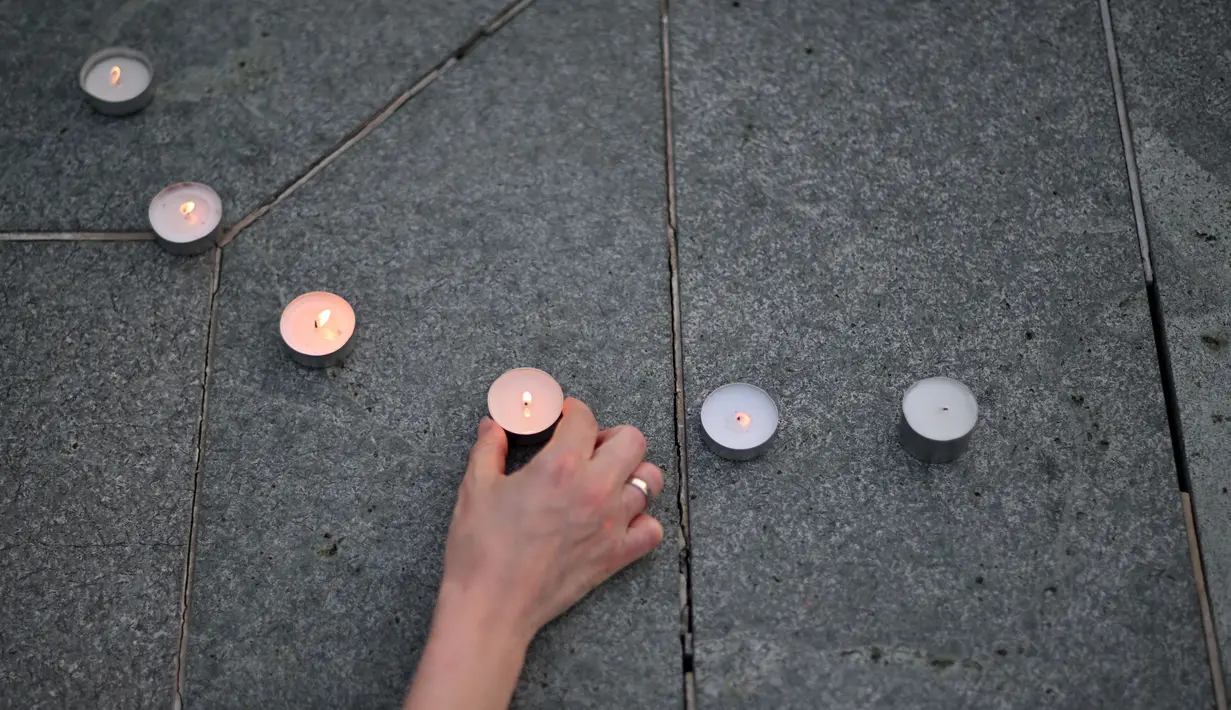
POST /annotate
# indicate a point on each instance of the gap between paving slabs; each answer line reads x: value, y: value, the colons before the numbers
x: 76, y: 236
x: 1163, y: 353
x: 365, y: 128
x: 502, y: 18
x: 684, y: 538
x: 683, y: 533
x: 181, y: 657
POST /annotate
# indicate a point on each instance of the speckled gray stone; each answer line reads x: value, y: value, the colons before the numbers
x: 1177, y: 73
x: 249, y: 96
x: 100, y: 396
x: 512, y: 215
x: 869, y: 195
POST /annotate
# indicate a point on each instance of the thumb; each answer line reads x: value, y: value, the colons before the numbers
x: 487, y: 458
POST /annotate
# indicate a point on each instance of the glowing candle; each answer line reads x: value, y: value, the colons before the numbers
x: 938, y: 418
x: 527, y: 403
x: 118, y: 81
x: 187, y: 217
x: 738, y: 421
x: 318, y: 329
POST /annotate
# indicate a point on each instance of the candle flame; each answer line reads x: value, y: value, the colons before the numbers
x: 526, y: 398
x: 743, y: 419
x: 115, y: 75
x: 322, y: 318
x: 187, y: 208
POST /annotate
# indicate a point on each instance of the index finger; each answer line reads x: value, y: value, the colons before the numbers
x: 577, y: 431
x: 487, y: 458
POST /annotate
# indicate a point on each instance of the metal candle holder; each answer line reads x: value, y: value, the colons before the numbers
x: 938, y: 399
x: 760, y: 421
x: 539, y: 437
x: 202, y: 243
x: 326, y: 360
x: 126, y: 106
x: 930, y: 450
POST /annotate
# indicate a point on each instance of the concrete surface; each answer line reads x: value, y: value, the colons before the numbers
x: 867, y: 196
x: 1177, y: 73
x: 249, y: 96
x: 873, y: 195
x: 511, y: 216
x: 100, y: 395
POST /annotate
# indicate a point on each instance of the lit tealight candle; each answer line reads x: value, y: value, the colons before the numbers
x: 318, y: 329
x: 938, y: 418
x: 187, y: 217
x: 118, y: 81
x: 527, y: 403
x: 738, y: 421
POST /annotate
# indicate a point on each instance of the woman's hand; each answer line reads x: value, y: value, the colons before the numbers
x: 524, y: 548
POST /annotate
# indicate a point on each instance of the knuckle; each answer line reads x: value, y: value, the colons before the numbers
x: 632, y: 437
x: 659, y: 533
x: 653, y: 476
x: 563, y: 466
x: 613, y: 557
x: 594, y: 498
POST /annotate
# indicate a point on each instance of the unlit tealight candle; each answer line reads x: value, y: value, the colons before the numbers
x: 938, y: 418
x: 118, y: 81
x: 738, y: 421
x: 187, y: 217
x: 318, y: 329
x: 527, y: 403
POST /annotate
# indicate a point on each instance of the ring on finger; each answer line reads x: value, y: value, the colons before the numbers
x: 641, y: 486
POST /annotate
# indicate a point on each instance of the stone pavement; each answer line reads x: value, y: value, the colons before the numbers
x: 1178, y: 78
x: 842, y: 199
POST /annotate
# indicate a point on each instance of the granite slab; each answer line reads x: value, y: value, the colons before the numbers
x: 1176, y: 65
x: 870, y: 194
x: 249, y: 95
x: 100, y: 396
x: 511, y: 215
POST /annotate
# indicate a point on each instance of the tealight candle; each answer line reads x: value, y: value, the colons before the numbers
x: 938, y: 417
x: 187, y: 217
x: 118, y: 81
x: 318, y: 329
x: 738, y: 421
x: 527, y: 403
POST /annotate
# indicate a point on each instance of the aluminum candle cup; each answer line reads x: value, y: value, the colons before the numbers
x: 186, y: 217
x: 938, y: 418
x: 738, y: 421
x: 117, y: 81
x: 527, y: 403
x: 318, y: 329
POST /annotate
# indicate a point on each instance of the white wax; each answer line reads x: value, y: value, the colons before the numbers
x: 525, y: 401
x: 185, y: 212
x: 739, y: 416
x: 117, y: 79
x: 940, y: 409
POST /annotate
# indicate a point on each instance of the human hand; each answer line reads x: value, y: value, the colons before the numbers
x: 524, y: 548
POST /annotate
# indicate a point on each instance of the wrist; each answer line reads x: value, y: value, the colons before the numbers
x: 466, y: 613
x: 468, y: 632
